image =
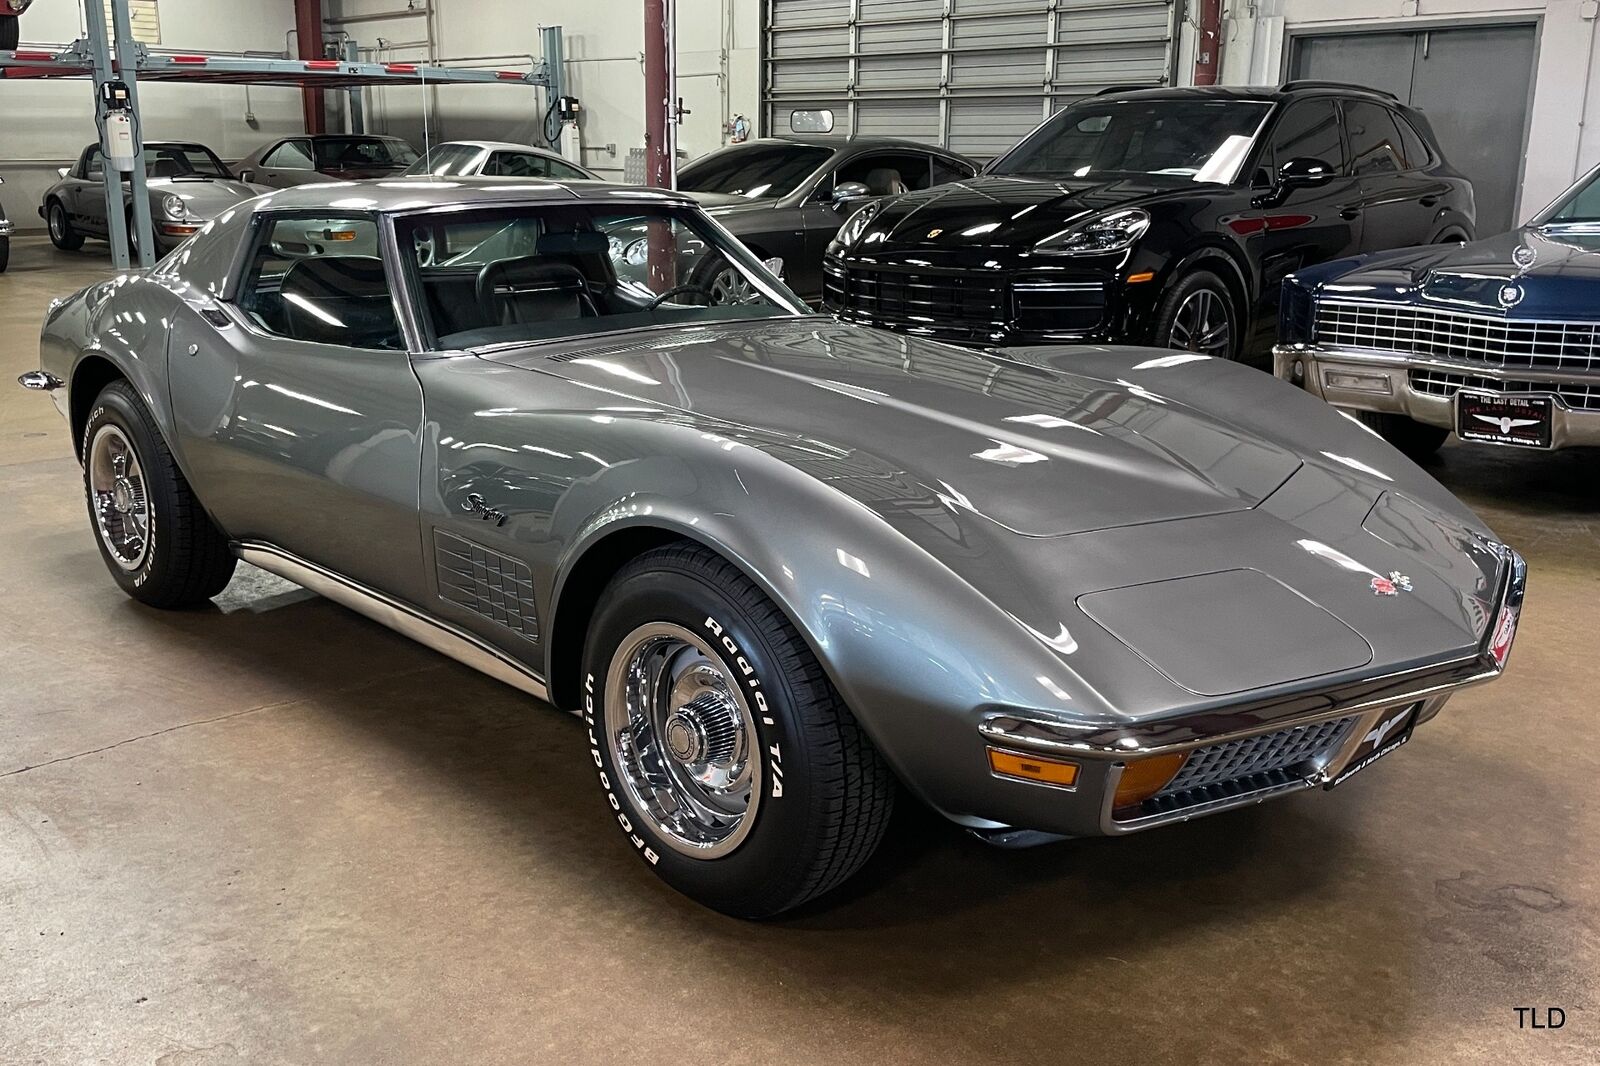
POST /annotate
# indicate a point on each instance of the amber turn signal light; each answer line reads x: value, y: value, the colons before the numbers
x: 1033, y: 768
x: 1142, y: 276
x: 1143, y: 778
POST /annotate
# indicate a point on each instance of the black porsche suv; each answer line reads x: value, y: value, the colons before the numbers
x: 1160, y: 216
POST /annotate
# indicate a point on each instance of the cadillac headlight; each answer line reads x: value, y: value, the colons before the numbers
x: 1112, y: 232
x: 174, y: 207
x: 854, y: 226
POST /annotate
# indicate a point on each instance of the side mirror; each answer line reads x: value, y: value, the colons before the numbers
x: 1304, y: 172
x: 775, y: 265
x: 849, y: 194
x: 247, y: 176
x: 63, y: 171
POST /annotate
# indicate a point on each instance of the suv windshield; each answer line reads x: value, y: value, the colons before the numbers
x: 359, y: 153
x: 1203, y: 140
x: 758, y: 172
x: 534, y: 272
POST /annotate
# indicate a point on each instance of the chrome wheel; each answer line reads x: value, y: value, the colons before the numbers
x: 58, y: 223
x: 728, y: 286
x: 119, y: 497
x: 1202, y: 325
x: 682, y: 738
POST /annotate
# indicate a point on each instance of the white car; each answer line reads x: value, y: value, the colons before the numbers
x: 497, y: 159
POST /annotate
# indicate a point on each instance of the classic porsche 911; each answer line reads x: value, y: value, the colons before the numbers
x: 779, y: 565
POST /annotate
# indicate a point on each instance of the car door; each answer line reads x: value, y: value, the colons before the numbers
x: 290, y: 163
x: 1398, y: 198
x: 298, y: 415
x: 88, y: 197
x: 1287, y: 226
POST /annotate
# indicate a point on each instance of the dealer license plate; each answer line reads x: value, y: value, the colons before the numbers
x: 1496, y: 418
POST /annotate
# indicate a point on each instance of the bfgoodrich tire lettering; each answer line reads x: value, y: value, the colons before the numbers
x: 184, y: 560
x: 825, y: 794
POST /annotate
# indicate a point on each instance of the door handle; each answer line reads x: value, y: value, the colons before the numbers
x: 1349, y: 212
x: 1429, y: 201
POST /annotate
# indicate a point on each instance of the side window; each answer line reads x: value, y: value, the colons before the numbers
x: 945, y: 170
x: 321, y: 280
x: 517, y: 165
x: 565, y: 171
x: 94, y: 165
x: 290, y: 155
x: 1375, y: 144
x: 1416, y: 148
x: 887, y: 173
x: 1309, y: 130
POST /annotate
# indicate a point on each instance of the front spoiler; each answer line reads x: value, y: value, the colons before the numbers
x: 1105, y: 753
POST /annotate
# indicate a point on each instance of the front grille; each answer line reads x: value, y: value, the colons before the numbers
x: 1459, y: 336
x: 1238, y: 767
x: 957, y: 299
x: 1050, y: 305
x: 1579, y: 397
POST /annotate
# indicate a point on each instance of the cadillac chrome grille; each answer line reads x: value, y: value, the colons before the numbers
x: 1236, y: 767
x: 1579, y: 397
x: 1459, y: 336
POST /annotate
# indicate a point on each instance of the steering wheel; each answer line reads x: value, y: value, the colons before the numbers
x: 424, y: 246
x: 676, y: 290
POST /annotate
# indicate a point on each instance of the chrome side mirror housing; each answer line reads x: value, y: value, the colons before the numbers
x: 849, y: 194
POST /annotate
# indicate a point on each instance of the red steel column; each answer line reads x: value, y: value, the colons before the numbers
x: 1208, y: 45
x: 658, y: 60
x: 308, y: 29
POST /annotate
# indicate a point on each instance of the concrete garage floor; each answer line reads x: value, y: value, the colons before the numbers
x: 277, y: 833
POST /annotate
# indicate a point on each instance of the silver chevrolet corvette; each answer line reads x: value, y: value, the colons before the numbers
x: 783, y: 568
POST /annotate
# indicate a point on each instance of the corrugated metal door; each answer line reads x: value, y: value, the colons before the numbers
x: 974, y: 75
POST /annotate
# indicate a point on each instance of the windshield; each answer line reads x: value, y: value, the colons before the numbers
x: 1579, y: 204
x: 182, y: 161
x: 757, y: 172
x: 1202, y: 140
x: 446, y: 160
x: 359, y: 153
x: 535, y: 272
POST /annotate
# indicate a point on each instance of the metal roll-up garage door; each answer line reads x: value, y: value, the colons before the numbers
x: 974, y: 75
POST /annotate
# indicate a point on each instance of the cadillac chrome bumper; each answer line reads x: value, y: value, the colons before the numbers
x: 1387, y: 382
x: 6, y: 227
x: 1320, y: 732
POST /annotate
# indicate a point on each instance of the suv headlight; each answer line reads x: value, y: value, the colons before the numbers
x: 1112, y: 232
x: 854, y: 226
x: 174, y: 207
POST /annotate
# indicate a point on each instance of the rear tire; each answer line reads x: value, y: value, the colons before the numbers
x: 1197, y: 314
x: 155, y: 538
x: 1416, y: 439
x: 726, y: 756
x: 5, y: 253
x: 62, y: 235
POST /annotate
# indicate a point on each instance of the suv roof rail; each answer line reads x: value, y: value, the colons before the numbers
x: 1109, y: 89
x: 1312, y: 83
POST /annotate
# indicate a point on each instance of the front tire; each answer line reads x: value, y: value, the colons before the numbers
x: 5, y: 253
x: 62, y: 235
x: 1196, y: 314
x: 727, y: 758
x: 1417, y: 440
x: 154, y: 536
x: 724, y: 283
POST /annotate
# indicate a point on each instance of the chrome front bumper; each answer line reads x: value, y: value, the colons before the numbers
x: 1381, y: 381
x: 6, y: 227
x: 1104, y: 754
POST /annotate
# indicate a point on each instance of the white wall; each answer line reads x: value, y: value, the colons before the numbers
x: 718, y: 70
x: 45, y: 125
x: 1560, y: 144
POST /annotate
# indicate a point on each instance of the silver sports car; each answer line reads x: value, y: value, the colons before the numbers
x: 783, y: 568
x: 188, y: 186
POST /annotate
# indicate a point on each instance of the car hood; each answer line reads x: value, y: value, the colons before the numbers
x: 1002, y: 211
x: 1532, y: 272
x: 205, y: 197
x: 1039, y: 451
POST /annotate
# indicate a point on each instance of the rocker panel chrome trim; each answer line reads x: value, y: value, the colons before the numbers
x: 442, y: 638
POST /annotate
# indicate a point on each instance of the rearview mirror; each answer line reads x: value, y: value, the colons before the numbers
x: 1304, y: 172
x: 849, y: 194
